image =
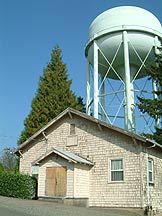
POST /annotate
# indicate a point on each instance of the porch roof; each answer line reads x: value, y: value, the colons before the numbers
x: 69, y: 156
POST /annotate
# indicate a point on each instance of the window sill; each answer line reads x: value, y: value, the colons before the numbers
x: 116, y: 182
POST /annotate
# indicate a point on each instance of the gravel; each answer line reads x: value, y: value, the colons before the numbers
x: 19, y: 207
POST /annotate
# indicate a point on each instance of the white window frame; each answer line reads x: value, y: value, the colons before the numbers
x: 150, y: 171
x: 118, y: 170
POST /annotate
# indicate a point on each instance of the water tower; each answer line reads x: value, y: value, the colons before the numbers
x: 122, y: 42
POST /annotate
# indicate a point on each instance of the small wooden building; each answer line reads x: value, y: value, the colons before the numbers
x: 82, y: 160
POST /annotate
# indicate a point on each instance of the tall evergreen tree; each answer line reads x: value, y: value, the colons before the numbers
x: 154, y: 106
x: 52, y: 97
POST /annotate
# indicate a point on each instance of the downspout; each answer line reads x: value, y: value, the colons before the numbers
x: 148, y: 187
x: 141, y: 177
x: 74, y: 182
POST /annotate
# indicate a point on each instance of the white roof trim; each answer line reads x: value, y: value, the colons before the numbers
x: 90, y: 118
x: 69, y: 156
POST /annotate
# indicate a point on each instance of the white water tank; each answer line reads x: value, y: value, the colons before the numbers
x: 122, y: 42
x: 143, y: 30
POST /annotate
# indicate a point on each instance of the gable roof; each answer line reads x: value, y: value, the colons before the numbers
x: 71, y: 112
x: 69, y: 156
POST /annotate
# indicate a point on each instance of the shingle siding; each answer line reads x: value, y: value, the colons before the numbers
x: 99, y: 145
x: 53, y: 162
x: 81, y: 181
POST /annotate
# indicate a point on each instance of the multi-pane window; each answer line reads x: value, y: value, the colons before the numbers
x: 117, y: 172
x: 150, y: 171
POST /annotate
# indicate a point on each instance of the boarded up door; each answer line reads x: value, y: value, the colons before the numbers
x: 56, y: 178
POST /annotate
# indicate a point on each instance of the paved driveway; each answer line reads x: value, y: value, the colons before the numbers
x: 18, y: 207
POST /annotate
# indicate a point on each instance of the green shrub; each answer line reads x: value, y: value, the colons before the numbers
x: 17, y: 185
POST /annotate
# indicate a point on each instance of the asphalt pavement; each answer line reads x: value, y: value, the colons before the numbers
x: 19, y: 207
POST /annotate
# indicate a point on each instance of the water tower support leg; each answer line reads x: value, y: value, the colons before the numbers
x: 129, y: 120
x: 102, y: 99
x: 95, y: 63
x: 88, y: 92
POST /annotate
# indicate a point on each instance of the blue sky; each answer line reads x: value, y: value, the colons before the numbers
x: 29, y: 29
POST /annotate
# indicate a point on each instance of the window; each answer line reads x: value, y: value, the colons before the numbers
x: 35, y: 171
x: 117, y: 172
x: 72, y: 129
x: 150, y: 171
